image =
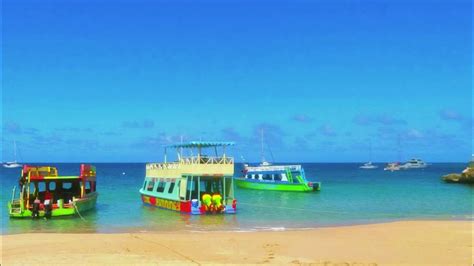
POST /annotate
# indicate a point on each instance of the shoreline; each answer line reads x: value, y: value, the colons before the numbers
x: 138, y: 229
x: 392, y: 243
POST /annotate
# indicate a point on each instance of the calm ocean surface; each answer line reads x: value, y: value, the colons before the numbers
x: 349, y: 196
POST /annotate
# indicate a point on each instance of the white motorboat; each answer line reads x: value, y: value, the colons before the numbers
x: 413, y: 164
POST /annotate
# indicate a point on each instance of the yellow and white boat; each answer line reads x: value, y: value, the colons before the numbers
x: 193, y: 184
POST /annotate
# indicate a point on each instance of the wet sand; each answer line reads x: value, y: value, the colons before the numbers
x: 397, y: 243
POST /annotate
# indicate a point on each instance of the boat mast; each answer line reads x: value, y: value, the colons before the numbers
x: 399, y: 148
x: 370, y: 151
x: 14, y: 151
x: 261, y: 142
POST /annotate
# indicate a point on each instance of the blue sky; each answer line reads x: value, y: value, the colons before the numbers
x: 115, y: 81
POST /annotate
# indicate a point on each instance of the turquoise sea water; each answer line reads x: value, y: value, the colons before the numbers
x: 349, y: 196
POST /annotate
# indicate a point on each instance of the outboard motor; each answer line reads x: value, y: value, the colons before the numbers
x: 315, y: 185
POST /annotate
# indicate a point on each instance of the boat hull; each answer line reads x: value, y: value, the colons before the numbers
x: 180, y: 206
x: 277, y: 186
x: 81, y: 205
x: 406, y: 167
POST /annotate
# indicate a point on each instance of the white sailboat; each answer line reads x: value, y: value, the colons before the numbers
x: 369, y: 164
x: 14, y: 163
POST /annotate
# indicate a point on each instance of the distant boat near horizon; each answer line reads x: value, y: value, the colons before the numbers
x: 414, y: 164
x: 392, y: 167
x: 14, y: 163
x: 368, y: 165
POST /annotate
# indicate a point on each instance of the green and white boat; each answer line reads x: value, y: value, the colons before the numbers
x: 43, y: 193
x: 276, y: 177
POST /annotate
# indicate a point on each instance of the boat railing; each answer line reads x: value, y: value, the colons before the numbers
x: 41, y: 171
x: 275, y: 168
x: 206, y: 160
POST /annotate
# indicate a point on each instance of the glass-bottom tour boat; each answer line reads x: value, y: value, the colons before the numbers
x: 195, y: 183
x: 44, y: 193
x: 276, y: 177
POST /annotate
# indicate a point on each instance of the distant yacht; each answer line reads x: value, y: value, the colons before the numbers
x: 13, y: 164
x: 392, y: 167
x: 414, y: 164
x: 368, y: 165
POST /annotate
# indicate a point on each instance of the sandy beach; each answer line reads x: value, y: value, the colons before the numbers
x: 397, y: 243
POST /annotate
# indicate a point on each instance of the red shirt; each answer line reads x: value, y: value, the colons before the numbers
x: 47, y: 195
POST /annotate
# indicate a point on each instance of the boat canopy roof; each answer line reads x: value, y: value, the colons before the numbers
x: 202, y: 144
x: 34, y: 173
x: 39, y: 178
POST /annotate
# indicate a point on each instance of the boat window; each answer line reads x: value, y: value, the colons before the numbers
x: 267, y: 177
x: 217, y: 186
x: 52, y: 186
x: 211, y: 186
x: 41, y: 186
x: 88, y: 186
x: 203, y: 185
x: 161, y: 186
x: 277, y: 177
x: 170, y: 190
x: 190, y: 185
x: 151, y: 184
x: 67, y: 185
x: 32, y: 188
x: 191, y: 192
x: 144, y: 185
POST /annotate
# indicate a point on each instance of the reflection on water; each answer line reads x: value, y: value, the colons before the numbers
x: 56, y: 225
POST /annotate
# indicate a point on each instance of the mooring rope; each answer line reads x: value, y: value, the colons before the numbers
x: 77, y: 210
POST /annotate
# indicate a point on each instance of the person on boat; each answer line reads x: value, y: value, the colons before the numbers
x: 206, y: 201
x: 217, y: 202
x: 36, y: 207
x: 47, y: 204
x: 47, y: 196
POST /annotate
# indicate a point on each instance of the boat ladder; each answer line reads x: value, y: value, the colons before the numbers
x: 15, y: 204
x: 16, y: 207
